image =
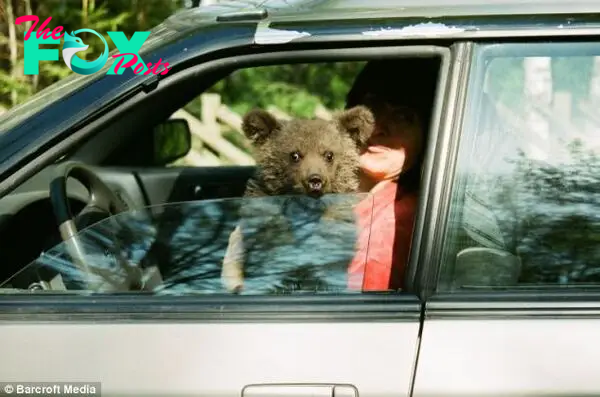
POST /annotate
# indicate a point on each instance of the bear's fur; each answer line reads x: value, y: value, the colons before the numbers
x: 311, y: 157
x: 307, y: 156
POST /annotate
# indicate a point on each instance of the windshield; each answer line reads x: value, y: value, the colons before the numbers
x: 267, y: 245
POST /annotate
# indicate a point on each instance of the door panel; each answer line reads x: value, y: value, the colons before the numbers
x: 512, y: 353
x: 124, y: 184
x: 370, y: 346
x: 194, y: 183
x: 142, y: 187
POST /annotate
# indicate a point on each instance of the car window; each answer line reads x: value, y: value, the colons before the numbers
x: 271, y: 245
x: 286, y: 91
x: 525, y: 208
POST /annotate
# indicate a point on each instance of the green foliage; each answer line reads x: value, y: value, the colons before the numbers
x: 16, y: 84
x: 54, y: 71
x: 296, y: 89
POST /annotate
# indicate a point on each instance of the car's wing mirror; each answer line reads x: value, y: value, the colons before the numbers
x: 485, y: 267
x: 172, y: 140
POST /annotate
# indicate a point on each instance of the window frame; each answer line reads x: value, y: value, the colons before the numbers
x: 568, y: 296
x: 440, y: 160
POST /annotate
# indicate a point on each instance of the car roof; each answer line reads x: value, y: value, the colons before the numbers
x: 314, y: 10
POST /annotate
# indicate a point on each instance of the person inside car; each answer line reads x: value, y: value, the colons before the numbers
x: 400, y: 94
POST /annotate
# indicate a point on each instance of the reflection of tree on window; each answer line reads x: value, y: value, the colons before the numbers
x: 532, y: 159
x: 555, y: 221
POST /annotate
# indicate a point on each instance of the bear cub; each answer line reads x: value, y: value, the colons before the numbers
x: 311, y: 157
x: 307, y: 156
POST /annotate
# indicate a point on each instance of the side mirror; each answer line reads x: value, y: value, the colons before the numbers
x: 171, y: 141
x: 486, y: 267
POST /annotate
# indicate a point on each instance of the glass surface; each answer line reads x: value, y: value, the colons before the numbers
x: 291, y: 244
x: 525, y: 211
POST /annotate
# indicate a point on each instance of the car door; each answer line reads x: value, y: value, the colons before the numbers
x: 159, y: 185
x: 192, y: 343
x: 515, y: 310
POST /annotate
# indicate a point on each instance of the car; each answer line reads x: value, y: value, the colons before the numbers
x: 502, y: 289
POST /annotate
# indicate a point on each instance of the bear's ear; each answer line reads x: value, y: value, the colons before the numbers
x: 258, y: 125
x: 358, y: 122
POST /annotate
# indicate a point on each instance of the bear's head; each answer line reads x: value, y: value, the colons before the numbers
x: 308, y: 156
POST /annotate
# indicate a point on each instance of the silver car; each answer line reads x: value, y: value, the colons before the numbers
x: 501, y: 294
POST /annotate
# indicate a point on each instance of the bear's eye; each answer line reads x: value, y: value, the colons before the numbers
x: 329, y: 156
x: 295, y: 156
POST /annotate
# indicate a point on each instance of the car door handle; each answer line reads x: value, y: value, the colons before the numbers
x: 299, y: 390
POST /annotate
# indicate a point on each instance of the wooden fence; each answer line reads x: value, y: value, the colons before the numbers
x: 209, y: 145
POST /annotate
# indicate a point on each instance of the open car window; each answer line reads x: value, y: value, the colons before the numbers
x: 282, y: 244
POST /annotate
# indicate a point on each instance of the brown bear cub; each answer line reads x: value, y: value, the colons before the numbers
x: 304, y: 156
x: 311, y: 157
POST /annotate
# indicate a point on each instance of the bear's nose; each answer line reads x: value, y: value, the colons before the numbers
x: 315, y: 183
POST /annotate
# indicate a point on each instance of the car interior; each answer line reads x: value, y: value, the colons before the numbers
x: 122, y: 154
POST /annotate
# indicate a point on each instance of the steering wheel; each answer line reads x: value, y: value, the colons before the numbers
x: 101, y: 200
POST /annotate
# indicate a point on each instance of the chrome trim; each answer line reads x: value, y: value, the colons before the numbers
x: 469, y: 34
x: 441, y: 159
x: 490, y: 304
x: 299, y: 390
x: 524, y: 33
x: 70, y: 306
x: 436, y: 131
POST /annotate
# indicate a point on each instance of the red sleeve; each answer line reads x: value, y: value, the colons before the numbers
x: 384, y: 244
x: 405, y: 211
